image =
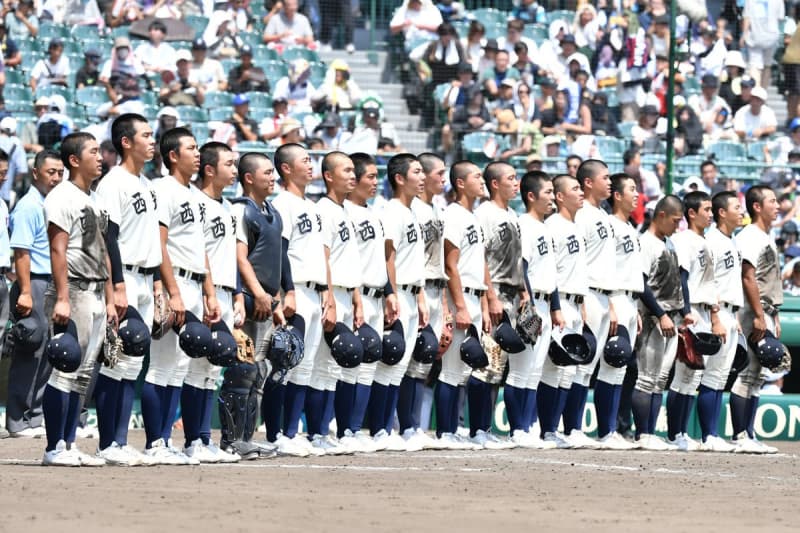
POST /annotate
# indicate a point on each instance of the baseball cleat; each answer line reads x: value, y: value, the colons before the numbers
x: 764, y: 447
x: 578, y: 439
x: 558, y: 439
x: 142, y: 459
x: 162, y: 454
x: 221, y: 455
x: 60, y: 456
x: 87, y: 432
x: 615, y: 441
x: 487, y: 441
x: 114, y: 455
x: 350, y: 442
x: 28, y: 433
x: 450, y: 441
x: 198, y: 450
x: 744, y: 444
x: 367, y: 442
x: 413, y: 440
x: 84, y: 458
x: 428, y: 442
x: 286, y: 446
x: 714, y: 443
x: 655, y: 443
x: 392, y: 442
x: 328, y: 445
x: 305, y: 443
x: 691, y: 444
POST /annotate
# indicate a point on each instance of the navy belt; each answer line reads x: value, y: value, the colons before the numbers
x: 375, y: 292
x: 730, y: 307
x: 436, y: 283
x: 601, y: 291
x: 577, y: 299
x: 224, y: 288
x: 43, y: 277
x: 316, y: 286
x: 474, y: 292
x: 413, y: 289
x: 94, y: 285
x: 188, y: 274
x: 145, y: 271
x: 541, y: 296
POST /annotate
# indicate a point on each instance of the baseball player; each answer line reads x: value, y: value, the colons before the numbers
x: 217, y: 171
x: 662, y: 299
x: 29, y: 370
x: 468, y: 280
x: 503, y: 251
x: 135, y: 252
x: 694, y: 254
x: 405, y: 263
x: 763, y: 295
x: 80, y: 296
x: 595, y: 226
x: 263, y: 275
x: 372, y: 251
x: 412, y: 389
x: 539, y: 271
x: 185, y: 277
x: 629, y: 284
x: 572, y: 282
x: 302, y: 229
x: 5, y: 260
x: 727, y: 213
x: 331, y: 384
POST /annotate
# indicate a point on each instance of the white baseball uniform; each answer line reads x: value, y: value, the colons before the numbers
x: 131, y: 205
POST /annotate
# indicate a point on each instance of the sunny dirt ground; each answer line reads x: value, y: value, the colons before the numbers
x: 429, y: 491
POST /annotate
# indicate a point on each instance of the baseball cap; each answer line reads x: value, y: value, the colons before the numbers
x: 394, y: 344
x: 63, y: 350
x: 650, y: 110
x: 93, y: 52
x: 371, y: 342
x: 734, y: 58
x: 246, y: 50
x: 289, y: 125
x: 194, y: 337
x: 168, y: 111
x: 42, y: 101
x: 792, y: 251
x: 122, y: 42
x: 568, y: 38
x: 747, y: 81
x: 794, y: 124
x: 547, y: 82
x: 279, y: 100
x: 29, y: 332
x: 709, y: 80
x: 471, y: 350
x: 464, y: 67
x: 491, y: 44
x: 346, y: 348
x: 199, y: 44
x: 760, y: 93
x: 183, y: 55
x: 331, y: 120
x: 133, y: 332
x: 373, y: 112
x: 507, y: 337
x: 239, y: 99
x: 8, y: 124
x: 426, y: 346
x: 693, y: 183
x: 223, y: 352
x: 508, y: 82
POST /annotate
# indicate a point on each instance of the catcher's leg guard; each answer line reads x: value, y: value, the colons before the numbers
x: 238, y: 405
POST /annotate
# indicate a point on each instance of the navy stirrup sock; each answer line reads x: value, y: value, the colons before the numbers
x: 604, y: 405
x: 547, y: 399
x: 655, y: 409
x: 405, y: 403
x: 315, y: 410
x: 54, y: 407
x: 205, y: 420
x: 640, y: 405
x: 294, y: 401
x: 127, y: 393
x: 739, y: 413
x: 171, y: 398
x: 106, y: 394
x: 362, y: 394
x: 192, y: 400
x: 573, y: 410
x: 151, y: 411
x: 271, y: 409
x: 674, y: 411
x: 392, y: 398
x: 529, y: 410
x: 514, y: 399
x: 377, y: 408
x: 445, y: 396
x: 74, y: 408
x: 706, y: 405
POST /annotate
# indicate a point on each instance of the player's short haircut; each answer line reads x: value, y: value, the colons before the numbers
x: 560, y: 182
x: 398, y: 164
x: 459, y: 171
x: 493, y: 172
x: 428, y: 161
x: 329, y: 162
x: 286, y: 154
x: 618, y: 182
x: 360, y: 163
x: 248, y: 163
x: 754, y: 195
x: 720, y: 201
x: 693, y: 200
x: 4, y: 155
x: 209, y: 155
x: 41, y: 157
x: 73, y: 144
x: 534, y: 182
x: 124, y: 126
x: 669, y: 205
x: 589, y: 169
x: 171, y: 142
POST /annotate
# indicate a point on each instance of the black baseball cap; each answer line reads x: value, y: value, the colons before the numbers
x: 199, y: 44
x: 709, y: 80
x: 246, y: 50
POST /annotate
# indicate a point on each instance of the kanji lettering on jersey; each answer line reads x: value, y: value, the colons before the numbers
x: 728, y: 260
x: 303, y: 224
x: 217, y: 228
x: 503, y: 232
x: 411, y: 233
x: 319, y: 222
x: 602, y: 232
x: 627, y: 244
x: 366, y: 231
x: 187, y: 215
x: 155, y: 203
x: 701, y: 258
x: 472, y: 234
x: 541, y: 245
x: 573, y: 246
x: 202, y: 212
x: 344, y: 231
x: 139, y: 205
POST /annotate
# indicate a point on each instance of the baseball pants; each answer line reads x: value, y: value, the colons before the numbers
x: 409, y: 316
x: 525, y: 368
x: 433, y: 299
x: 599, y: 321
x: 202, y: 374
x: 627, y: 316
x: 655, y: 355
x: 326, y: 371
x: 309, y: 306
x: 750, y: 380
x: 373, y: 315
x: 168, y: 363
x: 456, y: 372
x: 562, y: 376
x: 718, y: 367
x: 685, y: 380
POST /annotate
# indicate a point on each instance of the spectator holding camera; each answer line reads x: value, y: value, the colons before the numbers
x: 184, y: 89
x: 22, y: 22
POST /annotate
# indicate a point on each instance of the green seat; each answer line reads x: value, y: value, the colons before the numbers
x: 263, y: 53
x: 30, y: 59
x: 260, y: 100
x: 50, y: 90
x: 689, y: 165
x: 76, y: 111
x: 275, y: 70
x: 691, y: 83
x: 755, y: 150
x: 625, y: 128
x: 47, y: 32
x: 228, y: 64
x: 296, y: 52
x: 120, y: 31
x: 217, y: 99
x: 15, y: 77
x: 19, y: 106
x: 91, y: 96
x: 201, y: 132
x: 29, y: 45
x: 495, y: 31
x: 259, y: 114
x: 318, y: 71
x: 150, y: 112
x: 198, y: 23
x: 18, y: 92
x: 220, y: 113
x: 149, y: 98
x: 610, y: 146
x: 85, y: 33
x: 490, y: 16
x: 562, y: 14
x: 536, y: 33
x: 611, y: 97
x: 191, y: 113
x: 251, y: 38
x: 728, y: 151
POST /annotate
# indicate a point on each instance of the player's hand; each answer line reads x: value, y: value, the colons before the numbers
x: 329, y: 315
x: 24, y: 304
x: 666, y: 325
x: 61, y: 312
x: 690, y: 319
x: 486, y: 320
x: 391, y: 308
x: 759, y: 329
x: 463, y: 320
x: 212, y: 309
x: 495, y: 310
x: 523, y: 297
x: 638, y: 324
x: 424, y: 315
x: 557, y: 317
x: 718, y: 329
x: 612, y: 325
x: 777, y: 328
x: 278, y: 317
x: 238, y: 312
x: 176, y: 306
x: 120, y: 300
x: 262, y: 306
x: 358, y: 316
x: 111, y: 316
x: 289, y: 305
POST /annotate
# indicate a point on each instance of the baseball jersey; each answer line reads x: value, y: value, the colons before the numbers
x: 338, y: 236
x: 302, y: 227
x: 219, y: 229
x: 627, y: 268
x: 5, y: 246
x: 463, y: 230
x: 661, y: 266
x: 539, y: 251
x: 570, y: 255
x: 178, y: 210
x: 432, y: 224
x: 371, y: 244
x: 503, y: 246
x: 759, y: 249
x: 260, y: 228
x: 727, y: 267
x: 594, y: 225
x: 132, y: 206
x: 401, y: 227
x: 694, y: 252
x: 29, y: 230
x: 82, y: 216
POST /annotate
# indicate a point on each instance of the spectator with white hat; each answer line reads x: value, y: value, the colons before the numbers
x: 756, y: 119
x: 17, y: 162
x: 28, y: 134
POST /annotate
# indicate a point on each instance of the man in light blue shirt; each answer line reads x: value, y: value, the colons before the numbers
x: 17, y: 160
x: 30, y: 370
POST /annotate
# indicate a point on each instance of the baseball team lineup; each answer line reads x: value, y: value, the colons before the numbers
x: 366, y: 317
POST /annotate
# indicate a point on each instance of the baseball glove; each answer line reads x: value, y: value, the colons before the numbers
x: 529, y: 323
x: 786, y: 361
x: 163, y: 316
x: 686, y: 352
x: 493, y: 373
x: 446, y: 337
x: 112, y: 347
x: 246, y: 349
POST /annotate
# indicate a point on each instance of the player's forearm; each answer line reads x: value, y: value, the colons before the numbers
x: 491, y: 295
x: 58, y: 265
x: 750, y: 288
x: 456, y: 289
x: 167, y: 275
x: 287, y: 281
x: 109, y: 287
x: 391, y: 271
x: 115, y: 258
x: 22, y: 267
x: 246, y: 272
x: 208, y: 282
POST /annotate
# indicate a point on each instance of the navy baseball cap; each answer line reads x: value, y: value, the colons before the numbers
x: 223, y: 347
x: 618, y: 351
x: 706, y: 343
x: 507, y: 337
x: 134, y: 334
x: 345, y: 347
x: 591, y: 341
x: 199, y: 44
x: 371, y: 342
x: 194, y: 337
x: 769, y: 350
x: 394, y: 344
x: 63, y: 350
x: 246, y: 50
x: 28, y: 332
x: 239, y: 99
x: 569, y: 348
x: 427, y: 346
x: 741, y: 359
x: 472, y: 352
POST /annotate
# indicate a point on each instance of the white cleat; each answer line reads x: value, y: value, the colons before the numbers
x: 115, y: 455
x: 84, y: 458
x: 655, y: 443
x: 304, y: 443
x: 412, y: 440
x: 558, y: 439
x: 137, y: 456
x: 392, y: 441
x: 449, y: 441
x: 221, y: 455
x: 766, y: 448
x: 367, y: 442
x: 329, y: 445
x: 185, y: 459
x: 163, y: 454
x: 744, y: 444
x: 615, y: 441
x: 28, y: 433
x: 87, y: 432
x: 60, y: 456
x: 488, y: 441
x: 691, y: 444
x: 198, y: 450
x: 579, y: 439
x: 350, y: 442
x: 716, y: 444
x: 286, y: 446
x: 428, y: 443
